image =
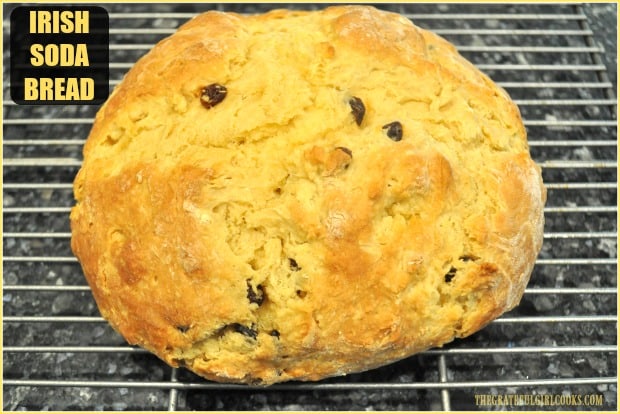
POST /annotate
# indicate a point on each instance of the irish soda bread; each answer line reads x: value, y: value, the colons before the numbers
x: 297, y: 195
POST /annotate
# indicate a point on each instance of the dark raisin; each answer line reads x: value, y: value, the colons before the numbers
x: 180, y: 362
x: 293, y: 265
x: 301, y: 294
x: 357, y: 109
x: 212, y: 95
x: 182, y: 328
x: 450, y: 275
x: 394, y: 130
x: 221, y: 331
x: 245, y: 330
x: 346, y: 151
x: 255, y: 296
x: 468, y: 258
x: 275, y: 333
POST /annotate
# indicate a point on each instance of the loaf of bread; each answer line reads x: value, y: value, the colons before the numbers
x: 298, y: 195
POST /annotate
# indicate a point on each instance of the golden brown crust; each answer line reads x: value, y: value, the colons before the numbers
x: 274, y: 237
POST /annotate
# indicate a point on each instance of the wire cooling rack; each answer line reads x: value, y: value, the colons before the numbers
x: 561, y: 341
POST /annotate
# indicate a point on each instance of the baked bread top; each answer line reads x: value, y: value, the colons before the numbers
x: 296, y: 195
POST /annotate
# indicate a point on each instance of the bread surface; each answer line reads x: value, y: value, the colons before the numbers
x: 298, y: 195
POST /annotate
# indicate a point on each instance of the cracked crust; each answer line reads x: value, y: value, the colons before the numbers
x: 271, y: 236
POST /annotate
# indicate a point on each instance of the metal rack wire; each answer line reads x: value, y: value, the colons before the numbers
x: 59, y: 354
